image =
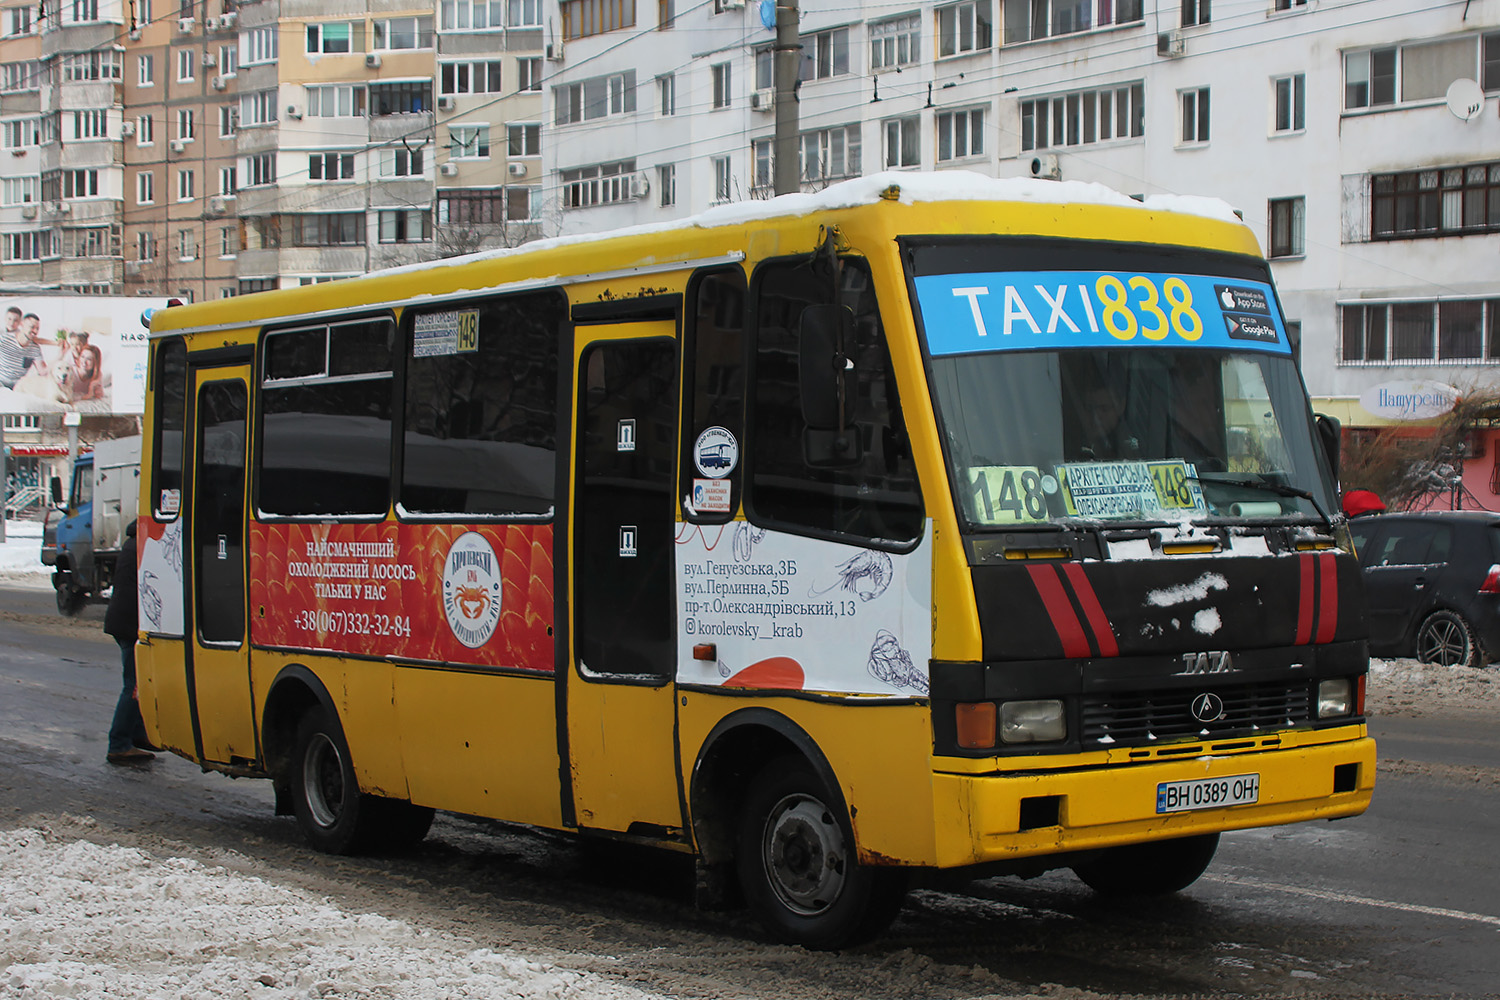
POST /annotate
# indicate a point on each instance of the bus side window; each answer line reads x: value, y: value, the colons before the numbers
x: 716, y: 396
x: 481, y: 407
x: 170, y: 387
x: 876, y: 499
x: 326, y: 419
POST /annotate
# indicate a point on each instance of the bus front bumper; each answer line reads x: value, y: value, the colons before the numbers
x: 1002, y: 816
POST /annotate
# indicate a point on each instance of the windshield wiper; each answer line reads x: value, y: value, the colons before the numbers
x: 1280, y: 489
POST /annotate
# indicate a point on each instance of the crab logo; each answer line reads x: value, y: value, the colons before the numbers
x: 471, y: 589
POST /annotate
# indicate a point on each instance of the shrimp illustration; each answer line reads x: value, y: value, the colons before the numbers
x: 867, y: 575
x: 471, y: 600
x: 745, y: 538
x: 150, y: 598
x: 892, y: 664
x: 171, y: 546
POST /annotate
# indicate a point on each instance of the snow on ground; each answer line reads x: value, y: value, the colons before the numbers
x: 21, y: 554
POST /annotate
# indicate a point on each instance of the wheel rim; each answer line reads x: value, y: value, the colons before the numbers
x: 323, y: 780
x: 1443, y: 642
x: 803, y: 852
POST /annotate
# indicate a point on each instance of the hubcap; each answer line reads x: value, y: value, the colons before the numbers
x: 803, y: 851
x: 1443, y: 643
x: 323, y: 780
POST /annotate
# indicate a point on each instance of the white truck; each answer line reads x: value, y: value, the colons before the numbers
x: 106, y: 484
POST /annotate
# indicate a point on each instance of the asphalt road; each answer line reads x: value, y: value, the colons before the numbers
x: 1403, y: 901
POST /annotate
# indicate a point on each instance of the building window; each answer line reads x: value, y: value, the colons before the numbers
x: 336, y: 101
x: 829, y: 154
x: 1289, y: 4
x: 187, y: 245
x: 20, y: 190
x: 827, y: 56
x: 963, y: 27
x: 248, y: 285
x: 260, y: 169
x: 185, y: 123
x: 601, y: 97
x: 23, y: 246
x: 397, y: 33
x: 1194, y: 104
x: 666, y: 185
x: 1194, y: 12
x: 403, y: 162
x: 525, y: 13
x: 894, y: 42
x: 721, y: 85
x: 81, y: 11
x: 229, y: 58
x: 400, y: 98
x: 79, y: 183
x: 1286, y: 226
x: 145, y: 71
x: 185, y: 185
x: 468, y: 142
x: 145, y: 130
x: 582, y: 18
x: 469, y: 78
x: 18, y: 20
x: 21, y: 133
x: 523, y: 140
x: 145, y: 188
x: 1027, y: 21
x: 331, y: 37
x: 405, y: 225
x: 333, y: 229
x: 18, y: 77
x: 666, y: 93
x: 466, y: 15
x: 228, y: 184
x: 258, y: 108
x: 1417, y: 71
x: 227, y: 113
x: 187, y: 63
x: 960, y: 134
x: 145, y: 245
x: 1416, y: 332
x: 1443, y: 202
x: 599, y: 184
x: 91, y: 67
x: 529, y: 75
x: 330, y: 167
x: 1290, y: 112
x: 1084, y: 117
x: 471, y: 206
x: 261, y: 45
x: 903, y: 143
x: 723, y: 178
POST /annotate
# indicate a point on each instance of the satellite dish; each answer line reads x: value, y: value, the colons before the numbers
x: 1465, y: 99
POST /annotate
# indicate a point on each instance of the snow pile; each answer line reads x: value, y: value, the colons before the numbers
x: 1406, y: 687
x: 21, y: 554
x: 90, y: 921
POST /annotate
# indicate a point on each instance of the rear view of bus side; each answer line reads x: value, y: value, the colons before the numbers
x: 925, y: 523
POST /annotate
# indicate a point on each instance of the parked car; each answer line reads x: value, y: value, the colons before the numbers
x: 1432, y: 584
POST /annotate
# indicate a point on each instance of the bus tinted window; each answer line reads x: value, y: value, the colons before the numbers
x: 481, y: 408
x: 717, y: 366
x: 170, y: 389
x: 872, y: 495
x: 326, y: 437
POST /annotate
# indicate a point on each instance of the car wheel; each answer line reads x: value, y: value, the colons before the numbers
x: 1155, y: 869
x: 1447, y: 639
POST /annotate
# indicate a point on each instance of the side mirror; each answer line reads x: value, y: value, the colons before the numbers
x: 57, y: 493
x: 825, y: 380
x: 1330, y: 434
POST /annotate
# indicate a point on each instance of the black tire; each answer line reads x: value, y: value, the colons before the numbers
x: 1159, y: 868
x: 70, y: 601
x: 1447, y: 639
x: 797, y: 865
x: 334, y: 815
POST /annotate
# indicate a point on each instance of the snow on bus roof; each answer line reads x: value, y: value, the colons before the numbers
x: 915, y: 186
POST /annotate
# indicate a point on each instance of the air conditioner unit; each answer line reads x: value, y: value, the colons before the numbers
x: 179, y: 145
x: 210, y: 24
x: 1171, y: 44
x: 63, y: 208
x: 517, y: 170
x: 227, y: 19
x: 216, y: 205
x: 132, y: 267
x: 731, y: 4
x: 372, y: 60
x: 763, y: 100
x: 1046, y: 167
x: 28, y: 211
x: 185, y: 25
x: 445, y: 104
x: 449, y: 169
x: 640, y: 187
x: 294, y: 111
x: 135, y: 34
x: 210, y: 60
x: 554, y: 51
x: 127, y: 129
x: 219, y: 83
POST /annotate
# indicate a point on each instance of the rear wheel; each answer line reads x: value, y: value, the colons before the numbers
x: 70, y: 600
x: 1155, y: 869
x: 1447, y: 639
x: 797, y: 864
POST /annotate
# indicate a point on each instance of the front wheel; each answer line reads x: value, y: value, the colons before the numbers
x: 1159, y: 868
x: 1447, y: 639
x: 70, y: 600
x: 797, y: 864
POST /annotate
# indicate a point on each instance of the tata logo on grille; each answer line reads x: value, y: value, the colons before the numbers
x: 1216, y: 662
x: 1208, y: 707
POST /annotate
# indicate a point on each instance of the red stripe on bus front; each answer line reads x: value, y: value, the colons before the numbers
x: 1305, y: 600
x: 1328, y: 591
x: 1093, y: 611
x: 1060, y: 609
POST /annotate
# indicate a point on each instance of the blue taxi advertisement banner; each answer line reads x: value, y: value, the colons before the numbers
x: 1057, y: 310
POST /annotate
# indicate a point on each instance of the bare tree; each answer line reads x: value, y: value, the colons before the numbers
x: 1404, y: 464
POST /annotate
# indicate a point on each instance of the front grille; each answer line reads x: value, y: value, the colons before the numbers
x: 1145, y: 718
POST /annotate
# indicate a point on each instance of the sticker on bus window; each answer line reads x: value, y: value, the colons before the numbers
x: 1130, y: 489
x: 1010, y: 494
x: 440, y: 333
x: 171, y: 501
x: 716, y: 452
x: 710, y: 496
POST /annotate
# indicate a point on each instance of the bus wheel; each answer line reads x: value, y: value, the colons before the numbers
x: 797, y: 865
x: 334, y: 816
x: 1155, y: 869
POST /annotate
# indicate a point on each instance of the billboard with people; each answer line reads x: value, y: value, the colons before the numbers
x: 84, y: 353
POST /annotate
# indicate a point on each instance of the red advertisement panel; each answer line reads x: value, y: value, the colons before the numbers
x: 452, y: 593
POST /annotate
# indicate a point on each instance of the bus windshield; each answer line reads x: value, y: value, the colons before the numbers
x: 1116, y: 387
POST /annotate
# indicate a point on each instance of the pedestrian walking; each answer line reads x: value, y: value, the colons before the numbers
x: 128, y: 741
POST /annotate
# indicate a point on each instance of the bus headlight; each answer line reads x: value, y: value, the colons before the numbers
x: 1032, y: 721
x: 1335, y: 698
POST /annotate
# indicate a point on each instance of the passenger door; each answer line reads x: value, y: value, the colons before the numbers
x: 219, y: 662
x: 1403, y: 564
x: 621, y: 715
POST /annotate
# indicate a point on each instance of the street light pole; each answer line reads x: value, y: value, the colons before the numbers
x: 788, y: 60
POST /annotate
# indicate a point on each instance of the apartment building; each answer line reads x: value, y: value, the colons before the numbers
x: 1324, y: 122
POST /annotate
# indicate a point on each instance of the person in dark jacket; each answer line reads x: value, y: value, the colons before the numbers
x: 127, y: 733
